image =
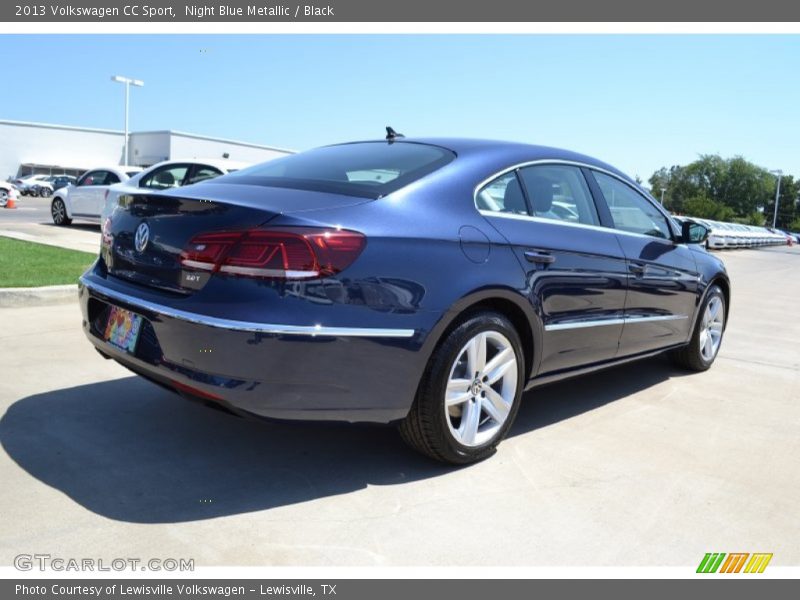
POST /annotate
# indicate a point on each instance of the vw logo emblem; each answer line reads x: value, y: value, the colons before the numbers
x: 142, y: 237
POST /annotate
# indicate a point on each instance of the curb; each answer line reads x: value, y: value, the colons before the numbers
x: 38, y: 296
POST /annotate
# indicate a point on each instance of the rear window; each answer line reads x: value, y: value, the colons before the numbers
x: 368, y: 169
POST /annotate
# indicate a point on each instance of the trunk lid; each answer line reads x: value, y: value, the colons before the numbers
x: 148, y: 232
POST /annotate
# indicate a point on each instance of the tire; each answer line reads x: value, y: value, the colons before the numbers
x: 699, y: 354
x: 45, y: 192
x: 3, y: 197
x: 480, y: 414
x: 59, y: 212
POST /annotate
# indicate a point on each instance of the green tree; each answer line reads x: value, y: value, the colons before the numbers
x: 755, y: 218
x: 787, y: 204
x: 725, y: 189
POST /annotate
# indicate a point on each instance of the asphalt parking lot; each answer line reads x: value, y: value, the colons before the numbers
x: 31, y: 221
x: 639, y: 465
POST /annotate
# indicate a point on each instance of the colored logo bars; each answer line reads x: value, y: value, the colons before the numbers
x: 716, y: 562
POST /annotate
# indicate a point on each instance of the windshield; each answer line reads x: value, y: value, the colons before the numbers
x: 368, y: 169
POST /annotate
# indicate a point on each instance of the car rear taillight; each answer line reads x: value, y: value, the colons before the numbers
x: 286, y: 253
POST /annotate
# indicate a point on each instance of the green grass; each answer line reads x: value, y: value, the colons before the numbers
x: 26, y: 264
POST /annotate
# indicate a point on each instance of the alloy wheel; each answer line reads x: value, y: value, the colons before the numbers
x: 711, y: 332
x: 481, y: 389
x: 59, y: 212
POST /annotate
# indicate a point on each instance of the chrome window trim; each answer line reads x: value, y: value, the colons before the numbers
x: 234, y: 325
x: 574, y: 163
x: 611, y: 230
x: 622, y: 321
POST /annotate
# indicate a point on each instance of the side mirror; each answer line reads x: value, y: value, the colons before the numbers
x: 693, y: 233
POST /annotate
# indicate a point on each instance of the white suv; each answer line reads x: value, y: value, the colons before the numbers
x: 85, y: 199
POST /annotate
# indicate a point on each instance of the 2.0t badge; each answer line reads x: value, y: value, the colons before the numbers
x: 142, y: 237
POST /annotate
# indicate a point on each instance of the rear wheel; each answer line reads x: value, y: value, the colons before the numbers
x: 470, y: 392
x: 3, y: 197
x: 706, y: 340
x: 59, y: 212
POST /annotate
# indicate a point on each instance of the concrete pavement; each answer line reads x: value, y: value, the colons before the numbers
x: 639, y: 465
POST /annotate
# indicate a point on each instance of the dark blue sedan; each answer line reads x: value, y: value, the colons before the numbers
x: 424, y: 282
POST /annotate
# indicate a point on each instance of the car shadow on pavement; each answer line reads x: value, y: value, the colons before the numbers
x: 559, y: 401
x: 128, y: 450
x: 90, y: 227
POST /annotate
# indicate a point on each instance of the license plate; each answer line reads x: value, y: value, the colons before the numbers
x: 122, y: 328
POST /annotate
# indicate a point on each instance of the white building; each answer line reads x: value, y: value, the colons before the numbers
x: 27, y: 148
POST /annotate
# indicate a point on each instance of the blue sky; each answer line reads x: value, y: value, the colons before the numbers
x: 637, y: 101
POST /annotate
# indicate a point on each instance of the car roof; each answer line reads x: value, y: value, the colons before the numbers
x: 219, y: 163
x: 505, y: 151
x: 115, y: 169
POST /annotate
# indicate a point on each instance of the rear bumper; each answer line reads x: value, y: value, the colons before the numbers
x: 272, y: 370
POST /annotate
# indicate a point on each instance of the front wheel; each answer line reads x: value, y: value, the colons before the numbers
x: 59, y: 212
x: 470, y: 392
x: 706, y: 340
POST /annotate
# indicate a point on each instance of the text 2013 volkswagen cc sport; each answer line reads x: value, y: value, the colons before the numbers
x: 422, y: 282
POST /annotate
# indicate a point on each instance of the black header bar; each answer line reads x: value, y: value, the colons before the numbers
x: 440, y: 11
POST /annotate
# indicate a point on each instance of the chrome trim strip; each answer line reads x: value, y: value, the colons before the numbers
x: 312, y: 330
x: 657, y: 318
x: 582, y: 324
x: 622, y: 321
x: 611, y: 230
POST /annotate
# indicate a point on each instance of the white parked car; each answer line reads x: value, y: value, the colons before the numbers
x: 717, y: 237
x: 7, y: 191
x: 26, y: 184
x: 169, y: 174
x: 85, y: 199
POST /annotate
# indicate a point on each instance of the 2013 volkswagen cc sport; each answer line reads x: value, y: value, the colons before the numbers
x: 423, y: 282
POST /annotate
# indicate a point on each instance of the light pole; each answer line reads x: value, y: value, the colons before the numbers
x: 779, y: 173
x: 662, y: 196
x: 128, y: 83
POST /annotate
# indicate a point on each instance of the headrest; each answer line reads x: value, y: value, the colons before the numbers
x: 540, y: 190
x: 165, y: 178
x: 514, y: 199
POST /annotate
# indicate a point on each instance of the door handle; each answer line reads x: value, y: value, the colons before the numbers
x: 637, y: 269
x: 540, y: 258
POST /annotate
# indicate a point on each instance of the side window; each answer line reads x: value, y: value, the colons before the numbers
x: 203, y: 172
x: 111, y: 178
x: 503, y: 195
x: 559, y: 192
x: 93, y: 178
x: 630, y: 210
x: 169, y: 176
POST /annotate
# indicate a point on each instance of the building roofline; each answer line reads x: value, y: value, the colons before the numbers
x: 214, y: 139
x: 55, y: 126
x: 166, y: 131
